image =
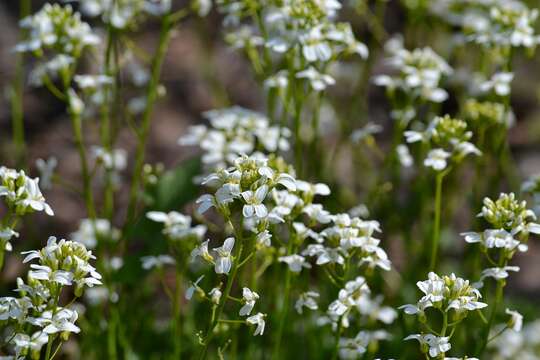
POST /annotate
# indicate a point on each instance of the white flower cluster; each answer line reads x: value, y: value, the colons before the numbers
x: 487, y: 113
x: 21, y: 193
x: 418, y: 75
x: 91, y: 232
x: 122, y: 14
x: 346, y: 238
x: 36, y: 317
x: 510, y: 223
x: 57, y: 31
x: 355, y: 298
x: 448, y: 139
x: 233, y: 132
x: 450, y: 295
x: 509, y: 24
x: 305, y: 29
x: 500, y: 23
x: 177, y: 226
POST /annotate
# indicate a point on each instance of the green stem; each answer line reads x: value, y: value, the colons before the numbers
x: 49, y: 347
x: 177, y: 330
x: 297, y: 140
x: 336, y: 343
x: 111, y: 335
x: 152, y: 94
x: 498, y: 298
x: 87, y: 186
x: 283, y: 316
x: 437, y: 220
x: 276, y: 354
x: 230, y: 280
x: 17, y: 112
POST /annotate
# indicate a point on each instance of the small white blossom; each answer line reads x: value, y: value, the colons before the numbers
x: 258, y: 320
x: 249, y: 298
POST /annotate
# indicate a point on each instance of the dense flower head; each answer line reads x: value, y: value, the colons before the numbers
x: 418, y: 73
x: 431, y: 344
x: 485, y: 113
x: 36, y: 315
x: 448, y: 139
x: 122, y: 14
x: 510, y: 24
x: 249, y: 182
x: 64, y: 262
x: 21, y: 193
x: 233, y: 132
x: 510, y: 214
x: 90, y: 232
x: 59, y: 29
x: 177, y: 226
x: 351, y: 235
x: 492, y: 23
x: 446, y: 293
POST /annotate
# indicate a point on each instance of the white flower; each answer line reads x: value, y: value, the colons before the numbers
x: 436, y: 159
x: 497, y: 273
x: 295, y: 262
x: 149, y: 262
x: 499, y: 82
x: 33, y: 197
x: 280, y: 80
x: 202, y: 7
x: 202, y: 251
x: 61, y: 321
x: 316, y: 212
x: 249, y: 297
x: 307, y: 299
x: 46, y: 171
x: 516, y: 320
x: 318, y: 81
x: 114, y: 160
x: 92, y: 81
x: 90, y: 231
x: 42, y: 272
x: 215, y: 295
x: 437, y: 345
x: 191, y: 289
x: 254, y: 205
x: 258, y: 320
x: 34, y: 343
x: 312, y: 189
x: 404, y: 156
x: 176, y: 225
x: 223, y: 261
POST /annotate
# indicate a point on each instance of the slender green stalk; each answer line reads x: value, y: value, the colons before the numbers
x: 498, y: 298
x: 297, y: 140
x: 111, y: 337
x: 177, y: 322
x: 216, y: 316
x: 338, y: 336
x: 276, y: 354
x: 17, y: 94
x: 87, y: 185
x: 437, y: 220
x: 49, y: 347
x: 111, y: 69
x: 167, y: 26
